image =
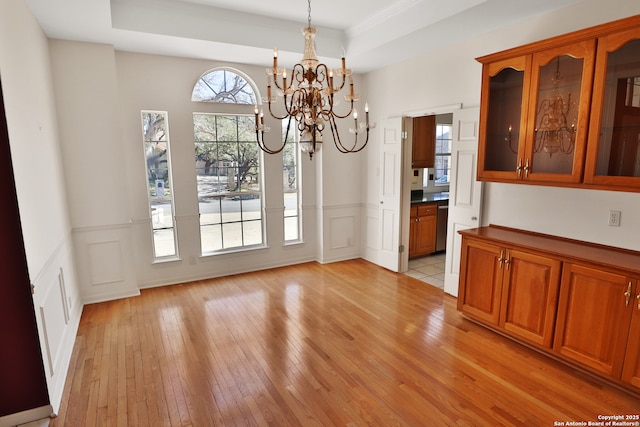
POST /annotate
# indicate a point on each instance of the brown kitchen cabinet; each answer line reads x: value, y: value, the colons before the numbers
x: 615, y: 115
x: 631, y: 368
x: 503, y: 112
x: 479, y: 294
x: 564, y: 111
x: 593, y: 320
x: 514, y: 289
x: 530, y: 296
x: 534, y: 114
x: 422, y: 229
x: 423, y: 147
x: 577, y: 301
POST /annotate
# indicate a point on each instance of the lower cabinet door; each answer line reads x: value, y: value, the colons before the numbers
x: 593, y: 318
x: 631, y: 371
x: 530, y: 296
x: 426, y: 235
x: 480, y: 280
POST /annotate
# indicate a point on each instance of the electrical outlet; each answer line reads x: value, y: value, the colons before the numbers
x: 614, y: 218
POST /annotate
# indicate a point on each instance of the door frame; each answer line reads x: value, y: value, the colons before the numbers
x: 405, y: 202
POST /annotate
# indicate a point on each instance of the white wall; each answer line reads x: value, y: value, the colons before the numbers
x: 452, y: 75
x: 35, y: 149
x: 101, y: 93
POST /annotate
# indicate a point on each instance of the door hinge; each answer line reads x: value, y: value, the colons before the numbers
x: 403, y: 134
x: 401, y: 248
x: 33, y: 289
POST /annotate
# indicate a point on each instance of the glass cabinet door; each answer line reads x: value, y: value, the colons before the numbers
x: 559, y: 112
x: 614, y: 135
x: 503, y: 111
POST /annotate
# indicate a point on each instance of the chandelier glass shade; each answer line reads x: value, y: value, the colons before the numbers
x: 309, y: 97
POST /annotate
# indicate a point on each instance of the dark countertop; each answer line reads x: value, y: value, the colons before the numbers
x: 418, y: 197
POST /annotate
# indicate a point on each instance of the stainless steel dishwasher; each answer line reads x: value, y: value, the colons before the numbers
x: 441, y: 227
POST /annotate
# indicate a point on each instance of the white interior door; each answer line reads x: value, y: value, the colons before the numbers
x: 390, y: 193
x: 465, y: 193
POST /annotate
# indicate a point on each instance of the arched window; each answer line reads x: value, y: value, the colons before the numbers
x: 228, y: 170
x: 223, y: 86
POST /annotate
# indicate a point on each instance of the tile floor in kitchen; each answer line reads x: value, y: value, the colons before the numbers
x: 429, y: 269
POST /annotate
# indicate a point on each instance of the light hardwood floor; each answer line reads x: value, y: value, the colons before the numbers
x: 347, y: 344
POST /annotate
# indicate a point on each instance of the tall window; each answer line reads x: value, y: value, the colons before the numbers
x: 155, y: 138
x: 291, y: 186
x: 227, y: 164
x: 228, y: 179
x: 443, y: 153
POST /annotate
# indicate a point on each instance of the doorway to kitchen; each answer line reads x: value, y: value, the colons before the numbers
x: 431, y: 140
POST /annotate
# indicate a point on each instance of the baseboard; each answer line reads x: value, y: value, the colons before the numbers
x: 26, y: 416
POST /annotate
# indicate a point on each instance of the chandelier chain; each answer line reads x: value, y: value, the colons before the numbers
x: 309, y: 14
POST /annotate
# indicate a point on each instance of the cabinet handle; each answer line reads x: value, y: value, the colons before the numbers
x: 638, y: 298
x: 507, y: 261
x: 519, y: 168
x: 526, y: 169
x: 501, y: 257
x: 627, y: 294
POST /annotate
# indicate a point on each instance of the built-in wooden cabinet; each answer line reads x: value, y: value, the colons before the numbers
x: 576, y: 300
x: 631, y: 367
x: 530, y: 295
x: 480, y: 280
x: 422, y: 229
x: 594, y: 318
x: 423, y: 147
x: 614, y: 133
x: 564, y: 111
x: 514, y: 289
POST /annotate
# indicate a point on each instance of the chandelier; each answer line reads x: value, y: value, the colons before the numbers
x: 309, y: 101
x: 555, y: 131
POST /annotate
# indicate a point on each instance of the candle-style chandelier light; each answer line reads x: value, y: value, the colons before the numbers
x: 309, y: 100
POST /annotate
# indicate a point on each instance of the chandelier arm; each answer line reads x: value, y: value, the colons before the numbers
x: 274, y: 115
x: 338, y: 141
x: 334, y: 114
x: 264, y: 147
x: 342, y: 83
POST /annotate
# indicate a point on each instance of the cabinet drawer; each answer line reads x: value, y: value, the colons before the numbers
x: 430, y: 209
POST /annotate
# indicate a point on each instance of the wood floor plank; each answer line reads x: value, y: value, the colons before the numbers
x: 345, y: 344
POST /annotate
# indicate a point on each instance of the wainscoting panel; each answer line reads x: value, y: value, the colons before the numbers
x: 341, y: 233
x: 105, y: 263
x: 54, y: 320
x: 56, y: 300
